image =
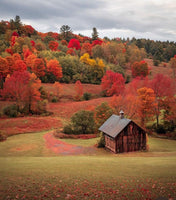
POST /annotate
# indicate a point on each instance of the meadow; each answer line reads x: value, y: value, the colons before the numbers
x: 31, y: 170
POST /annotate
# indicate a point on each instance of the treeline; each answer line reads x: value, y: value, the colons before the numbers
x: 77, y: 57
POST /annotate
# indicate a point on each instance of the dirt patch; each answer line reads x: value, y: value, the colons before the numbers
x: 60, y: 147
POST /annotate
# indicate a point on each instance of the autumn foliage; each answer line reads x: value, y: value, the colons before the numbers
x: 53, y: 45
x: 112, y: 83
x: 23, y: 88
x: 79, y: 90
x: 146, y: 104
x: 74, y: 43
x: 140, y: 69
x: 54, y: 67
x: 38, y: 67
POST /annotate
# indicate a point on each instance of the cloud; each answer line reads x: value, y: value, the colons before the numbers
x: 148, y: 18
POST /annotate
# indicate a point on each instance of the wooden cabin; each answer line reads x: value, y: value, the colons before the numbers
x: 123, y: 135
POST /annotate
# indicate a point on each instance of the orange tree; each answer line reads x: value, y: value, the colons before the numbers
x: 146, y: 104
x: 140, y: 69
x: 4, y: 70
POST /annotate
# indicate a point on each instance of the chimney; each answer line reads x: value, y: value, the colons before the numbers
x: 121, y: 114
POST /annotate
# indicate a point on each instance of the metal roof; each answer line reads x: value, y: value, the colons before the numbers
x: 114, y: 125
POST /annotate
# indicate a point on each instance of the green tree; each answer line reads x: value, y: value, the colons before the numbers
x: 82, y: 122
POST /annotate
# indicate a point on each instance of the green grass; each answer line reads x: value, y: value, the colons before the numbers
x: 34, y: 172
x: 81, y: 142
x: 29, y: 144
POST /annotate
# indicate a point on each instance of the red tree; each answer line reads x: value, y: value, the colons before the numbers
x: 28, y: 29
x: 16, y: 56
x: 11, y: 64
x: 38, y: 67
x: 20, y: 65
x: 53, y: 45
x: 23, y: 88
x: 71, y: 52
x: 74, y: 43
x: 162, y: 86
x: 79, y: 90
x: 54, y: 67
x: 113, y: 83
x: 86, y: 48
x: 96, y: 42
x: 32, y: 43
x: 4, y: 70
x: 140, y: 69
x: 26, y: 53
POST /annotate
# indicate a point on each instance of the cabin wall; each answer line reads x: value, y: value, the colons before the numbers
x: 110, y: 143
x: 132, y: 138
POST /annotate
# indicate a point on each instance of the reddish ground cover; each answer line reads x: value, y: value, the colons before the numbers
x: 60, y: 147
x: 69, y: 89
x: 67, y: 109
x: 13, y: 126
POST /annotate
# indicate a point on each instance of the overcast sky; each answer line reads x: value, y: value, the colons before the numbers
x: 153, y: 19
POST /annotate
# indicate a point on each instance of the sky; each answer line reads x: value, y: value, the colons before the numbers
x: 150, y: 19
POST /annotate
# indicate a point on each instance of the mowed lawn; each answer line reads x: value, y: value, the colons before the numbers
x: 29, y: 170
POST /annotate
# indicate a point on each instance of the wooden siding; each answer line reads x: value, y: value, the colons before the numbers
x: 110, y: 143
x: 131, y: 138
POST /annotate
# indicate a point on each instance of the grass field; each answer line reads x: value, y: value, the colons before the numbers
x: 29, y: 170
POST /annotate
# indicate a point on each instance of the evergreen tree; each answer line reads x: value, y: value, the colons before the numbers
x: 66, y: 32
x: 94, y: 34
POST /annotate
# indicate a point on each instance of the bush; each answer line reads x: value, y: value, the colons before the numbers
x: 43, y: 92
x: 160, y: 129
x: 3, y: 136
x: 82, y: 122
x: 11, y: 111
x: 54, y: 99
x: 87, y: 96
x: 101, y: 141
x: 68, y: 129
x: 169, y: 126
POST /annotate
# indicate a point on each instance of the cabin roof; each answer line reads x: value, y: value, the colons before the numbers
x: 114, y: 125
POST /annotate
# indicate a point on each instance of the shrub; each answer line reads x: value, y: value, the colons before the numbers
x: 169, y: 126
x: 82, y: 122
x: 11, y: 110
x: 41, y: 107
x: 160, y: 129
x: 87, y: 96
x: 101, y: 141
x: 43, y: 92
x: 68, y: 129
x: 3, y: 136
x: 54, y: 99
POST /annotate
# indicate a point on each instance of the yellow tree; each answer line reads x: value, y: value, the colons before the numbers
x: 146, y: 104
